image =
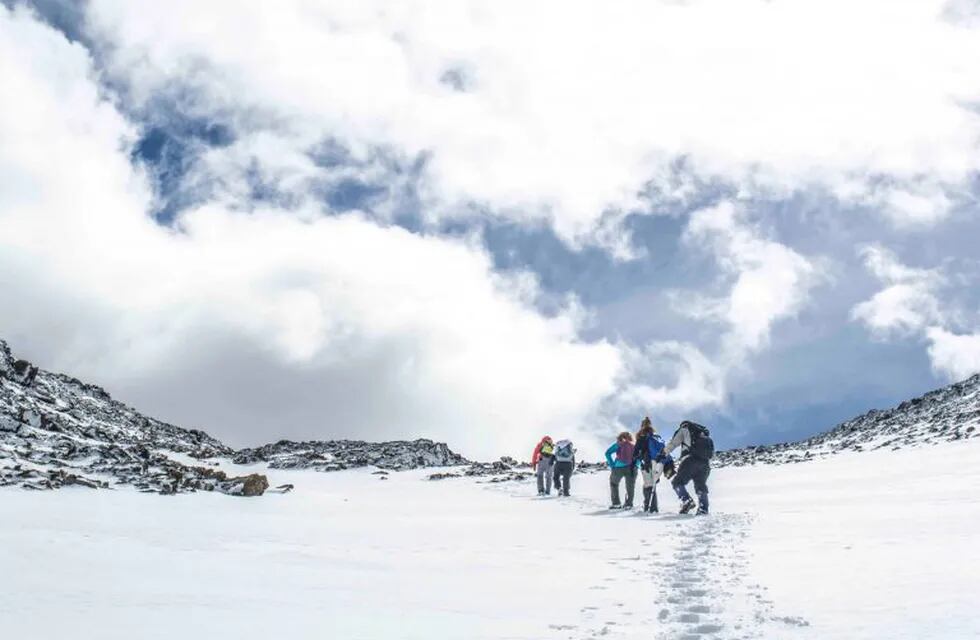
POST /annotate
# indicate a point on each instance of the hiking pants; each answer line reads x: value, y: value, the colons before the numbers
x: 651, y: 477
x: 620, y: 473
x: 696, y: 469
x: 563, y: 476
x: 544, y: 474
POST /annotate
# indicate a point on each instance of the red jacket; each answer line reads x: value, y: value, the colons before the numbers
x: 536, y: 456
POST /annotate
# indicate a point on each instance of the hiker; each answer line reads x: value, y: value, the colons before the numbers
x: 564, y: 466
x: 621, y: 467
x: 650, y: 458
x: 697, y: 449
x: 541, y: 461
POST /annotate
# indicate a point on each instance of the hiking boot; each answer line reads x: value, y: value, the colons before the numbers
x: 627, y: 506
x: 687, y: 505
x: 615, y: 506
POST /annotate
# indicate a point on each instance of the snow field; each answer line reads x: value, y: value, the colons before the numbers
x: 859, y: 545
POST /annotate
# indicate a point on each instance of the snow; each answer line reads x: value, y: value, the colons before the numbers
x: 876, y: 544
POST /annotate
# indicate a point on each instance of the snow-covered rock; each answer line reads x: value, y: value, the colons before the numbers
x: 335, y: 455
x: 946, y: 414
x: 57, y: 431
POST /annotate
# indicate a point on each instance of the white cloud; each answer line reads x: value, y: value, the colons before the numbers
x: 907, y: 304
x: 267, y: 324
x: 690, y: 379
x: 766, y: 282
x: 570, y: 110
x: 769, y: 281
x: 910, y: 306
x: 954, y: 355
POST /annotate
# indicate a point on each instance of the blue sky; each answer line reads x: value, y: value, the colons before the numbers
x: 310, y: 220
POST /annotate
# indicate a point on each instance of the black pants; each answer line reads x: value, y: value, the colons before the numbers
x: 563, y: 476
x: 698, y: 470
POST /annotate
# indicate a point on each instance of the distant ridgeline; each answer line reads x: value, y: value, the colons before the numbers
x: 56, y: 431
x: 950, y: 413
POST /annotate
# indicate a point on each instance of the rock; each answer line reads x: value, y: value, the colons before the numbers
x: 335, y: 455
x: 253, y: 484
x: 69, y: 432
x: 945, y: 414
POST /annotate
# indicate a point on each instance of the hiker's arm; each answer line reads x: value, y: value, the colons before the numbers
x: 609, y: 453
x: 676, y: 441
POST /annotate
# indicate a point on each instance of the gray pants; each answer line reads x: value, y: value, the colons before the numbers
x: 563, y: 476
x: 544, y: 474
x: 620, y: 473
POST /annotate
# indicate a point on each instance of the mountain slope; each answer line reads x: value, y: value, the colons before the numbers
x: 57, y: 431
x: 947, y: 414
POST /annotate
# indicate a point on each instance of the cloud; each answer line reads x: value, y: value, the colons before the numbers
x: 764, y: 282
x: 910, y: 307
x: 689, y: 379
x: 953, y: 355
x: 769, y: 281
x: 908, y: 303
x: 568, y: 115
x: 267, y: 323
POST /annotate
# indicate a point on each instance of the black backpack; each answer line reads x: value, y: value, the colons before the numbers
x: 702, y: 446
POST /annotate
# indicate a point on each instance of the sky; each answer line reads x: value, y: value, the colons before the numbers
x: 483, y: 222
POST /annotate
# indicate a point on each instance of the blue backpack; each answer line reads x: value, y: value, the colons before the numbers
x: 654, y: 445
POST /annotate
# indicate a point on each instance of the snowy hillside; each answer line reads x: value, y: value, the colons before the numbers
x: 57, y: 431
x: 947, y: 414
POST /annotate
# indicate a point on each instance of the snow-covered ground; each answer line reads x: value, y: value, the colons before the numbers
x: 861, y: 545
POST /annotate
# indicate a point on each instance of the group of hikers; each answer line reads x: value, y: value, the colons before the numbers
x: 554, y: 462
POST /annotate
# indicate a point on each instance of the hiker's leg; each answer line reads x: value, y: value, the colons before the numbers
x: 549, y: 475
x: 685, y: 470
x: 566, y: 477
x: 540, y: 474
x: 701, y: 484
x: 614, y: 476
x: 630, y: 484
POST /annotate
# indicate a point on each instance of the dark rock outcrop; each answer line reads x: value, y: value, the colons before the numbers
x: 947, y: 414
x: 56, y: 431
x: 335, y: 455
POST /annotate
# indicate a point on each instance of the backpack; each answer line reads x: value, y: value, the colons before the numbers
x: 702, y: 446
x: 654, y: 446
x: 625, y: 453
x: 547, y: 448
x: 565, y: 452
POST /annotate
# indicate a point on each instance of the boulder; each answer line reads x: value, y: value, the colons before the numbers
x: 253, y: 484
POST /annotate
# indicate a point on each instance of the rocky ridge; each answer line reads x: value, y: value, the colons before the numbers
x: 336, y: 455
x: 57, y: 431
x: 947, y: 414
